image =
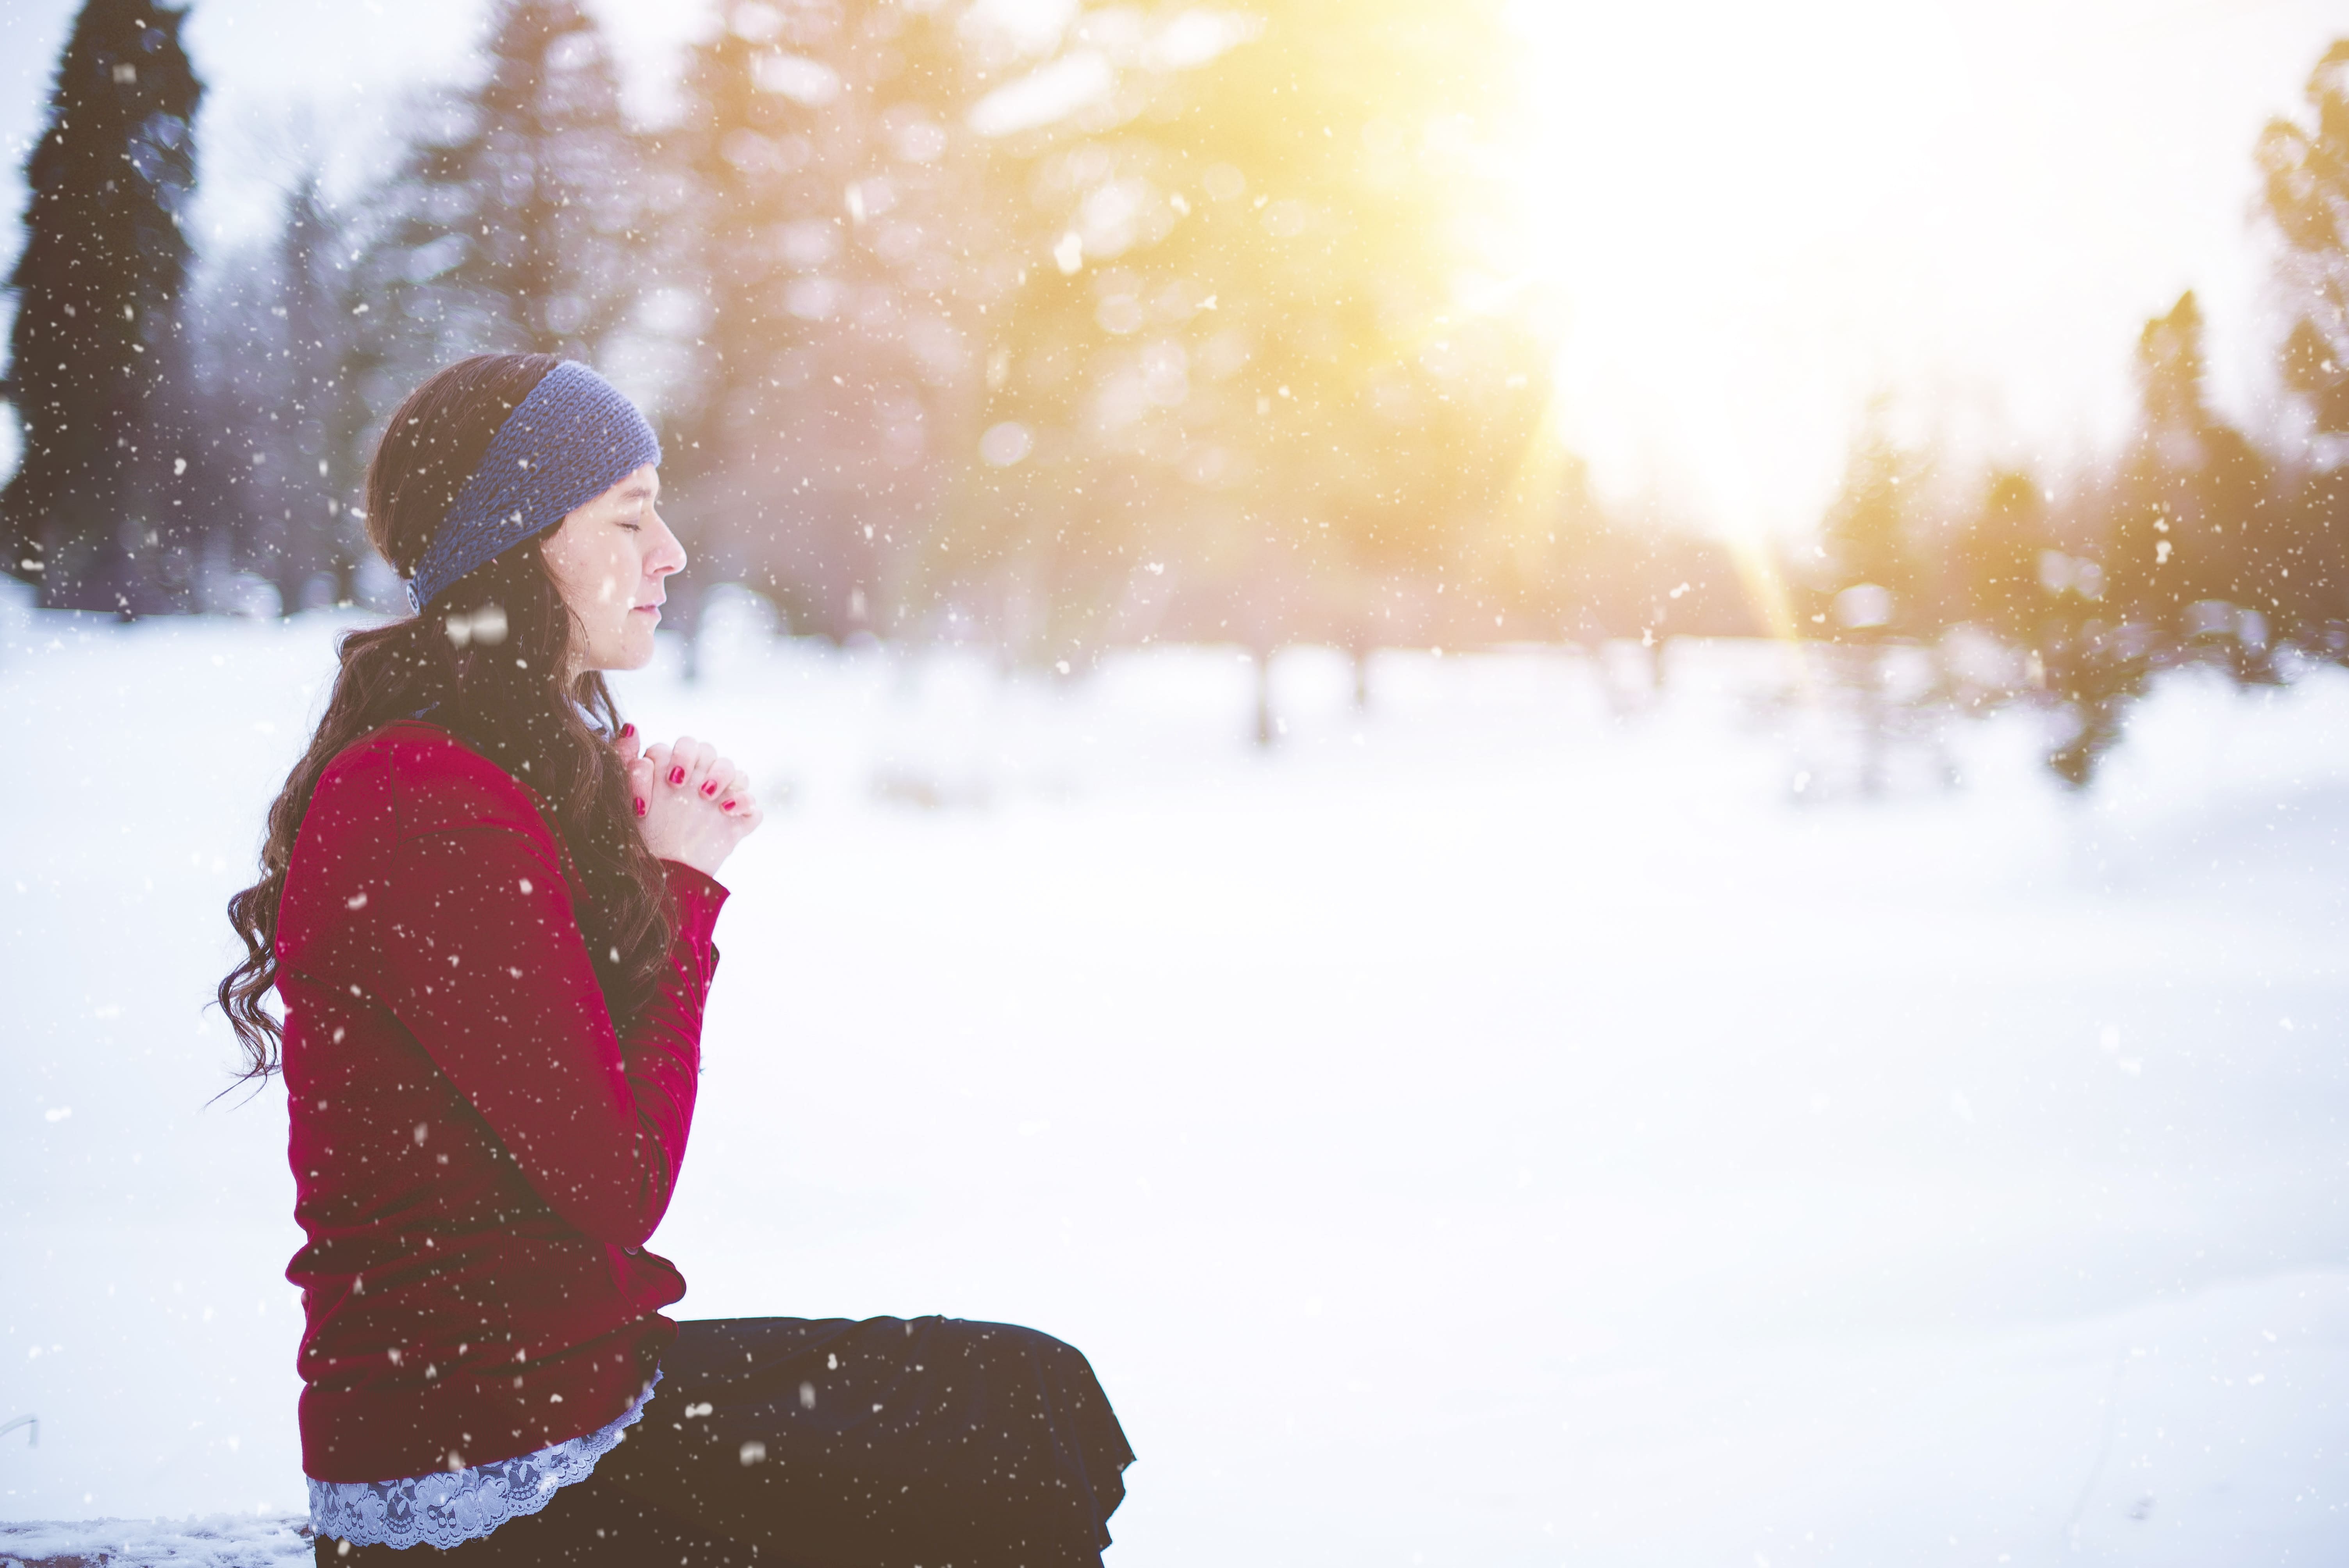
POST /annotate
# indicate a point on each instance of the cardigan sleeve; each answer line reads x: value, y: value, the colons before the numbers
x: 484, y: 963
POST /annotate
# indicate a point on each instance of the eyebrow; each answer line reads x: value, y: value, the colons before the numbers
x: 640, y: 490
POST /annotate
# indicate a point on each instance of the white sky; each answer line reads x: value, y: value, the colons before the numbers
x: 1757, y: 214
x: 1974, y: 205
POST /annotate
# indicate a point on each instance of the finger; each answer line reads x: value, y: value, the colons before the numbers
x: 723, y: 779
x: 734, y: 793
x: 745, y: 801
x: 682, y: 770
x: 642, y: 775
x: 628, y: 743
x: 740, y: 790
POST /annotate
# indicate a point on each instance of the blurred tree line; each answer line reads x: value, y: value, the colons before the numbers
x: 1162, y: 322
x: 1151, y: 325
x: 2195, y: 544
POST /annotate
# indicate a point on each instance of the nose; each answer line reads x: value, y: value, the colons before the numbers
x: 667, y: 554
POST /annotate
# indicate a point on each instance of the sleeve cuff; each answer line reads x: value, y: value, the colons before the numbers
x: 699, y: 896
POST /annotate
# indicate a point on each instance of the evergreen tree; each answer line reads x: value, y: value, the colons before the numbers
x: 2306, y: 197
x: 2091, y: 660
x: 278, y: 452
x: 97, y: 358
x: 313, y: 271
x: 1869, y: 569
x: 2191, y: 537
x: 237, y: 462
x: 2191, y: 486
x: 2096, y: 670
x: 512, y: 224
x: 722, y: 437
x: 2310, y: 572
x: 2300, y: 548
x: 1999, y: 560
x: 307, y: 542
x: 837, y: 235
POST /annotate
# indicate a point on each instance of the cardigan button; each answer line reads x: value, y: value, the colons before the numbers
x: 630, y: 1251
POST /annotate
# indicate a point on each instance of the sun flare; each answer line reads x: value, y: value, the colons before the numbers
x: 1754, y: 219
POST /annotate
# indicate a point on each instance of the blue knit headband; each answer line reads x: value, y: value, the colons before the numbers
x: 573, y: 437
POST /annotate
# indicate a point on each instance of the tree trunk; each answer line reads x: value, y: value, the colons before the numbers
x: 1264, y: 724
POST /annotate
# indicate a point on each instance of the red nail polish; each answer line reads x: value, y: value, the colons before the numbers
x: 640, y: 805
x: 676, y: 774
x: 626, y: 730
x: 711, y: 788
x: 725, y: 805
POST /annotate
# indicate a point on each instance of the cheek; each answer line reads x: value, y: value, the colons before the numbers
x: 616, y: 579
x: 599, y: 579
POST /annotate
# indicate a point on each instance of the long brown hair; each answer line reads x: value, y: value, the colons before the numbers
x: 503, y: 695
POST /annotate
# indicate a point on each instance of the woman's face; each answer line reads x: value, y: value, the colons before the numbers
x: 608, y: 560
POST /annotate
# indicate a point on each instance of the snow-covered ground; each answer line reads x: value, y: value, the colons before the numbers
x: 1504, y: 1126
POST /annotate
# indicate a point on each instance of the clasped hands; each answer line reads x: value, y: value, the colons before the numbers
x: 692, y: 805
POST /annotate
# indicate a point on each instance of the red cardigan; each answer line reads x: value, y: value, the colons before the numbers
x: 477, y: 1155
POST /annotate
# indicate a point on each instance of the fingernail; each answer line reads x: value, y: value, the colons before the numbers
x: 640, y: 805
x: 711, y: 788
x: 626, y: 730
x: 676, y: 774
x: 725, y: 805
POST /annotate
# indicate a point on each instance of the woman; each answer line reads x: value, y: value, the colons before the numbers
x: 487, y: 912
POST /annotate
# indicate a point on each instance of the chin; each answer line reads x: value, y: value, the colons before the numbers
x: 625, y: 653
x: 635, y: 650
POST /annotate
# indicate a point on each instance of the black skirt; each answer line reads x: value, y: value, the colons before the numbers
x: 787, y: 1442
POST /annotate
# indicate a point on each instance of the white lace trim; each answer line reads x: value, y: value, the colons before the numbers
x: 450, y: 1507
